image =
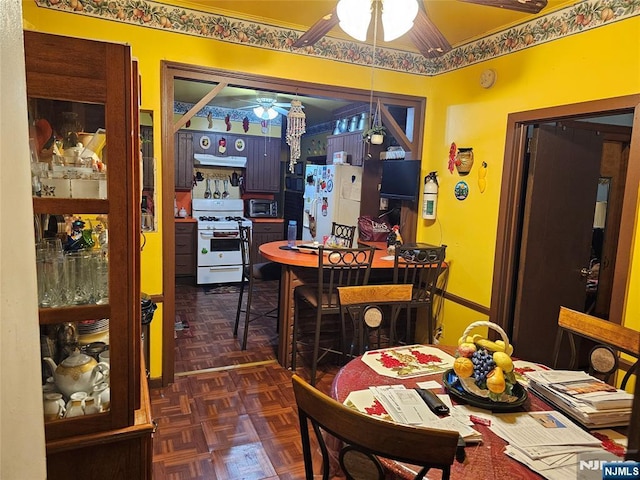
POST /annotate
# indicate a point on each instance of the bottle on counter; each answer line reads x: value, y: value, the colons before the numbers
x: 292, y: 232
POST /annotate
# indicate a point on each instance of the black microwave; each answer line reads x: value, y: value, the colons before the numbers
x: 259, y: 207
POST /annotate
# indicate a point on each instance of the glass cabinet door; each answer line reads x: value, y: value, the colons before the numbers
x: 86, y: 202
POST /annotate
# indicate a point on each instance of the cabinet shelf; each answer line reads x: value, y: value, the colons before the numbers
x: 70, y: 205
x: 52, y: 316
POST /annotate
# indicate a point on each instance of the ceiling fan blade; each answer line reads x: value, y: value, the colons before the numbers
x: 318, y: 30
x: 281, y: 111
x: 526, y: 6
x: 426, y: 36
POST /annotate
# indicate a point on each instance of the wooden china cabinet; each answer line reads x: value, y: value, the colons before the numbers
x: 97, y: 83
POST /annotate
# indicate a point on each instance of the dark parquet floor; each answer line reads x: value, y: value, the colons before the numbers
x: 230, y: 414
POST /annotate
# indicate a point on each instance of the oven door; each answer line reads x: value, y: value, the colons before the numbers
x: 219, y: 257
x: 218, y: 248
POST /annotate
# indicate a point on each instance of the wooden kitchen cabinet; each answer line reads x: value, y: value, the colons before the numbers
x: 97, y: 94
x: 351, y: 142
x: 186, y: 242
x: 264, y: 232
x: 263, y: 165
x: 183, y: 160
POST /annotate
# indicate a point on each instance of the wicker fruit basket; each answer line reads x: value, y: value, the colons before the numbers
x: 482, y: 373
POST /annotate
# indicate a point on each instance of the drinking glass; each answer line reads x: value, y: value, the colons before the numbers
x: 79, y: 277
x: 50, y: 272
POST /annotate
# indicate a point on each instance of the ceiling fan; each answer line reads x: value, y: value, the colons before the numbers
x: 424, y: 34
x: 266, y: 106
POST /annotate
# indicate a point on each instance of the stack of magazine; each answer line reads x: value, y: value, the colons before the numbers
x: 588, y: 400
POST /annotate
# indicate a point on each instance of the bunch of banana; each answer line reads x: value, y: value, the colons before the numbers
x: 487, y: 362
x: 482, y: 177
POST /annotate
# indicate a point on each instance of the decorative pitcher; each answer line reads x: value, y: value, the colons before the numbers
x: 78, y: 373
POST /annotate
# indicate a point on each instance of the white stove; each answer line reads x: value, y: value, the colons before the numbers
x: 219, y: 255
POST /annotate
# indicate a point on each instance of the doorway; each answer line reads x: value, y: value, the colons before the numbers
x: 408, y: 133
x: 546, y: 220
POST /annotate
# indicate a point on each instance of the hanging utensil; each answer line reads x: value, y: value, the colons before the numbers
x: 207, y: 191
x: 216, y: 192
x: 225, y: 192
x: 235, y: 180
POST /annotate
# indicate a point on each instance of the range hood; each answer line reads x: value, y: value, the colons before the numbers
x: 205, y: 160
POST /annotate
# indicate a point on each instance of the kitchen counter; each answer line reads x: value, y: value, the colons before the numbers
x: 267, y: 220
x: 185, y: 220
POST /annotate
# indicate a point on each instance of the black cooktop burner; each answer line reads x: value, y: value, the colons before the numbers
x: 208, y: 219
x: 234, y: 219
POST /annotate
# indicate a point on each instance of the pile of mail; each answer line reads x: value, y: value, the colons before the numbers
x: 404, y: 405
x: 547, y: 442
x: 589, y: 401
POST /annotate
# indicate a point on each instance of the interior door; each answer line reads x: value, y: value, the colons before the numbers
x: 562, y: 183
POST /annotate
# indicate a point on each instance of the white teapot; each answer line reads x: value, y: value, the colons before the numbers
x: 78, y: 373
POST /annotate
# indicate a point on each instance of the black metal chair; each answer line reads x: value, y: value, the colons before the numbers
x: 419, y: 265
x: 365, y: 438
x: 373, y: 310
x: 336, y: 268
x: 343, y: 233
x: 252, y: 273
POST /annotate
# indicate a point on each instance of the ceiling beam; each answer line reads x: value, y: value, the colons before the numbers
x: 182, y: 121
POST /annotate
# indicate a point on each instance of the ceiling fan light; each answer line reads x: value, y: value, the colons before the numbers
x: 398, y: 17
x: 355, y: 17
x: 265, y: 113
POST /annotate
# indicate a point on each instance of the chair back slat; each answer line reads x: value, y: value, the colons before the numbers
x: 341, y: 267
x: 346, y: 233
x: 245, y: 250
x: 426, y: 447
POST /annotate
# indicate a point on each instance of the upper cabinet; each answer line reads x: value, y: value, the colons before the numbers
x: 351, y: 142
x: 86, y: 185
x: 263, y: 165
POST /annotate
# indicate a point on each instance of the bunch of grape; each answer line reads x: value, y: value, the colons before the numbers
x: 482, y: 364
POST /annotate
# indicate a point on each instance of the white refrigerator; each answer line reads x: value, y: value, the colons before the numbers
x: 332, y: 194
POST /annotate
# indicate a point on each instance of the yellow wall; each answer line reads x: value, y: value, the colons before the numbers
x: 575, y: 69
x: 601, y: 63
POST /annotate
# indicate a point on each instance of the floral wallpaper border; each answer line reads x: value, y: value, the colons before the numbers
x: 571, y: 20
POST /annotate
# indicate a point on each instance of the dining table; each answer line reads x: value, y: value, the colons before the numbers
x: 299, y: 268
x: 485, y: 460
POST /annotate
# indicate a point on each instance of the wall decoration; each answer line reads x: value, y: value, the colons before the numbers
x: 461, y: 190
x: 579, y: 17
x: 452, y: 157
x: 227, y: 121
x: 205, y: 142
x: 209, y: 120
x: 482, y: 177
x: 222, y: 145
x: 239, y: 145
x: 464, y: 161
x: 245, y: 124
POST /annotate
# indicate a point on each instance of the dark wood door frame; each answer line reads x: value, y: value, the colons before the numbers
x: 512, y: 202
x: 172, y: 70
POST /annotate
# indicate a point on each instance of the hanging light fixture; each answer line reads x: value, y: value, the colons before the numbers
x: 265, y: 113
x: 397, y: 17
x: 296, y: 127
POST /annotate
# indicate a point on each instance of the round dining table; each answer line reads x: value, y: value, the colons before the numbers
x: 485, y: 460
x: 299, y: 268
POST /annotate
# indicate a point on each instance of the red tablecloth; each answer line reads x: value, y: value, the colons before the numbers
x: 484, y: 461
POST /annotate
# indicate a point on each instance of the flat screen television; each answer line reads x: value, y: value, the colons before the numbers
x: 400, y: 179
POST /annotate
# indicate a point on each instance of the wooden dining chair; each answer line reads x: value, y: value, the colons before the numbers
x: 338, y: 267
x: 419, y: 265
x: 373, y: 310
x: 365, y: 438
x: 611, y: 340
x: 345, y: 233
x: 252, y: 273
